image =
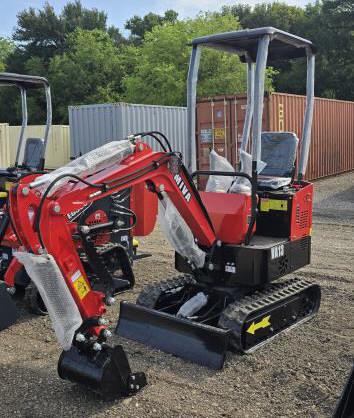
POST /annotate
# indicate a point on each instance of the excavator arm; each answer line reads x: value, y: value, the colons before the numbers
x: 40, y: 216
x: 46, y: 228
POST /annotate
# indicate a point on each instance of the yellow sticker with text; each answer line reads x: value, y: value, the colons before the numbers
x: 219, y: 133
x: 273, y: 204
x: 80, y: 284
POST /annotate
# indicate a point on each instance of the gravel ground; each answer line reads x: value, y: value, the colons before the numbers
x: 299, y: 374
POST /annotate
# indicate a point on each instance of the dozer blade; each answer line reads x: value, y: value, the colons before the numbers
x: 189, y: 340
x: 8, y: 310
x: 108, y: 373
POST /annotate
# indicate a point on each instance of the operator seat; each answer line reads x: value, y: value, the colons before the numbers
x: 279, y: 152
x: 33, y: 153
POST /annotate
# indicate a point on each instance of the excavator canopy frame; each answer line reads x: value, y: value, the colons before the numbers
x: 24, y: 83
x: 256, y: 47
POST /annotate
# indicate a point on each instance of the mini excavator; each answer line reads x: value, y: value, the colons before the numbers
x: 29, y: 159
x: 229, y: 300
x: 230, y: 247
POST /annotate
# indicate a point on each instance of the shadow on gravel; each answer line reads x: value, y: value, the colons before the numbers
x: 338, y: 205
x: 30, y: 392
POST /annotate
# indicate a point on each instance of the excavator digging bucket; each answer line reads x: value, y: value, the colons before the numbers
x: 199, y: 343
x: 8, y: 310
x: 107, y: 373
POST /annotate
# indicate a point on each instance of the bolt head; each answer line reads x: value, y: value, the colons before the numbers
x: 110, y: 301
x: 56, y: 208
x: 102, y: 321
x: 85, y: 229
x: 211, y: 266
x: 218, y: 243
x: 25, y: 191
x: 97, y: 347
x: 80, y: 338
x: 11, y: 290
x: 107, y: 333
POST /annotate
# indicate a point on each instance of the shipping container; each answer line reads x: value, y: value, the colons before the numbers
x: 4, y: 145
x: 220, y: 123
x: 93, y: 125
x: 58, y: 148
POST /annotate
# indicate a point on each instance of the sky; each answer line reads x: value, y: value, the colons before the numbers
x: 119, y: 11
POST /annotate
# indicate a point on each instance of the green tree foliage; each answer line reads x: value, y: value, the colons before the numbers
x: 88, y: 61
x: 6, y: 48
x: 162, y: 63
x: 89, y: 72
x: 337, y: 48
x: 43, y: 33
x: 329, y: 24
x: 139, y: 26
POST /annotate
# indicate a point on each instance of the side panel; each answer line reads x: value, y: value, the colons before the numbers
x: 301, y: 215
x: 144, y: 204
x: 256, y: 266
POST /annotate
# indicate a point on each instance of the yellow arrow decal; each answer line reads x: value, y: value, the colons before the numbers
x: 264, y: 323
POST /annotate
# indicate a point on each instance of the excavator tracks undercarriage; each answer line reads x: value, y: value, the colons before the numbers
x: 231, y: 320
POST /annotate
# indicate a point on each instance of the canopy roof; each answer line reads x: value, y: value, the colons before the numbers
x: 25, y: 81
x: 245, y: 42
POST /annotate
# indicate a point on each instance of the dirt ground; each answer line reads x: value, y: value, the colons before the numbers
x: 299, y: 374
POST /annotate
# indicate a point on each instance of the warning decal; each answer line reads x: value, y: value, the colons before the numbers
x: 80, y: 284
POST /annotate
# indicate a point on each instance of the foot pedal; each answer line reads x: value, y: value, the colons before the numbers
x: 8, y: 310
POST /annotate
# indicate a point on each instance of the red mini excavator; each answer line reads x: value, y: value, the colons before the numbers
x: 29, y: 159
x: 227, y: 299
x: 230, y: 246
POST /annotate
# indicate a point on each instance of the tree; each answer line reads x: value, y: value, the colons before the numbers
x: 338, y: 47
x: 89, y: 72
x: 139, y: 26
x: 6, y: 48
x: 43, y: 33
x: 162, y: 63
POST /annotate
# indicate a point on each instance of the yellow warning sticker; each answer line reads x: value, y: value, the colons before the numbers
x: 80, y: 284
x: 8, y: 185
x: 219, y: 133
x: 263, y: 323
x: 273, y: 204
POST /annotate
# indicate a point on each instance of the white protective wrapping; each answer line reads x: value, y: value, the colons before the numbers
x: 242, y: 185
x: 178, y: 233
x: 220, y: 184
x: 62, y: 309
x: 192, y: 305
x: 95, y: 160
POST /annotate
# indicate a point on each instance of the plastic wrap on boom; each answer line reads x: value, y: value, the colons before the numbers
x: 62, y: 309
x: 219, y: 184
x: 111, y: 153
x: 178, y: 233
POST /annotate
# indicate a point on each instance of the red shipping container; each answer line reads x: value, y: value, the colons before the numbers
x: 220, y: 123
